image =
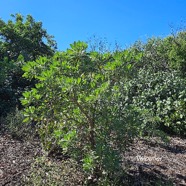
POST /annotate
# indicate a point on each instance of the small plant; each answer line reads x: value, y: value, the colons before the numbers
x: 46, y: 171
x: 13, y: 124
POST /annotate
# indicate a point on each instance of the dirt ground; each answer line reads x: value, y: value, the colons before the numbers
x: 149, y: 162
x: 155, y: 163
x: 15, y: 159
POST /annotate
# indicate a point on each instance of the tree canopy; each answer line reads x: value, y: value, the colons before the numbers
x: 24, y: 37
x: 21, y: 40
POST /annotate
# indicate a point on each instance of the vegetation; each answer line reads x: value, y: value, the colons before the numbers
x: 90, y: 105
x: 21, y: 40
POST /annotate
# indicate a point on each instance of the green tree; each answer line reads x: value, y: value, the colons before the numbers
x: 24, y: 37
x: 21, y: 40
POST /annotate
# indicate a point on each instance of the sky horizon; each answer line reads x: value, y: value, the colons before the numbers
x: 121, y: 21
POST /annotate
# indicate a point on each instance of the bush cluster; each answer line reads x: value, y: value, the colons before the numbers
x: 90, y: 105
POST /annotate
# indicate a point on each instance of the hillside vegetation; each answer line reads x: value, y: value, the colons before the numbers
x: 88, y: 106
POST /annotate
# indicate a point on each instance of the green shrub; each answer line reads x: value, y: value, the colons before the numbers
x: 13, y: 124
x: 163, y: 96
x: 78, y: 105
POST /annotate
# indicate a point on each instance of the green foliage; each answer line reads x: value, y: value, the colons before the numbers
x: 163, y: 96
x: 12, y: 85
x: 157, y: 87
x: 77, y: 105
x: 177, y: 54
x: 90, y: 104
x: 13, y: 124
x: 155, y: 56
x: 163, y: 54
x: 24, y: 37
x: 21, y: 40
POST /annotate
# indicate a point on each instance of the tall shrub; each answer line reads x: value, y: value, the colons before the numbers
x: 79, y: 106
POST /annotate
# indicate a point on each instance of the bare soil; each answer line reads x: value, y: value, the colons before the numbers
x: 149, y: 162
x: 15, y: 159
x: 154, y: 163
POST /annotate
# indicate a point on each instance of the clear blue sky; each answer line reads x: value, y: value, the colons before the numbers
x: 124, y: 21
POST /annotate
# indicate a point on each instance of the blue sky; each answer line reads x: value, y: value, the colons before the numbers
x: 124, y: 21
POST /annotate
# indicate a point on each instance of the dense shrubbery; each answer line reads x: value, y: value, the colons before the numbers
x: 21, y: 40
x: 159, y: 85
x: 90, y: 104
x: 163, y: 96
